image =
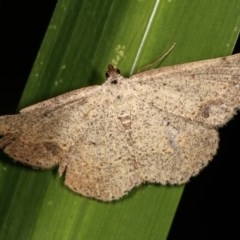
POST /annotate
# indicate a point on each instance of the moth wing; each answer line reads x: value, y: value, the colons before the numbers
x: 101, y: 162
x: 174, y: 152
x: 79, y: 95
x: 41, y: 134
x: 168, y: 149
x: 19, y: 140
x: 130, y: 142
x: 204, y: 91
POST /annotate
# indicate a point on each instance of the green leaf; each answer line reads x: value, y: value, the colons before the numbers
x: 82, y: 38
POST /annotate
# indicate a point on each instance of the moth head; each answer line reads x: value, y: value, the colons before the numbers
x: 112, y: 74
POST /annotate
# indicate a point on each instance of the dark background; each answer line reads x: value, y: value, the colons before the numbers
x: 209, y: 208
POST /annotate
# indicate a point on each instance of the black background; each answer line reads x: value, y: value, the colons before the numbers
x: 209, y: 208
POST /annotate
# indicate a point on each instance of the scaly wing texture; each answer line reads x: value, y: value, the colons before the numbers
x: 79, y: 95
x: 158, y: 126
x: 41, y: 134
x: 102, y: 164
x: 128, y: 142
x: 205, y: 91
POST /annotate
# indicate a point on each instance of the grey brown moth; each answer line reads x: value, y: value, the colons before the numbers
x: 159, y: 126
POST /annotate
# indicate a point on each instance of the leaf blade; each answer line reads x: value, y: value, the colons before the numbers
x: 74, y: 54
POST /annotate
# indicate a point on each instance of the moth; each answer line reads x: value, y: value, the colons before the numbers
x: 159, y: 126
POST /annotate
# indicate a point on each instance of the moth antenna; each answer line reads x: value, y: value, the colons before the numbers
x: 157, y: 60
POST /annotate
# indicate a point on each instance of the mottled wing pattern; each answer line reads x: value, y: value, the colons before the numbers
x: 79, y: 95
x: 41, y: 133
x: 205, y: 91
x: 158, y: 127
x: 128, y: 142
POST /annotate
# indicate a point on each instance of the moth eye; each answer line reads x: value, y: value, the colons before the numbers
x: 118, y: 71
x: 115, y: 81
x: 107, y: 75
